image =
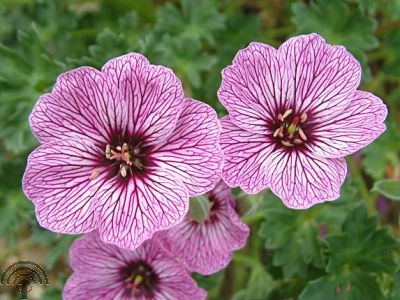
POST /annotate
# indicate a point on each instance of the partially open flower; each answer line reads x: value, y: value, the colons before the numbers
x: 104, y: 271
x: 122, y: 151
x: 294, y: 113
x: 205, y: 240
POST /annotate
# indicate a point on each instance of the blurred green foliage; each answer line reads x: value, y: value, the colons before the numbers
x: 347, y: 249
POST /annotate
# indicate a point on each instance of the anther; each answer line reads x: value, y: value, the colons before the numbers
x: 286, y: 143
x: 287, y: 113
x: 122, y: 171
x: 303, y: 118
x: 302, y: 134
x: 280, y: 117
x: 297, y: 141
x: 280, y: 132
x: 108, y: 152
x: 277, y: 131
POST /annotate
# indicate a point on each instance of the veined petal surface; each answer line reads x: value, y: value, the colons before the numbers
x: 246, y: 156
x: 192, y: 152
x: 154, y: 95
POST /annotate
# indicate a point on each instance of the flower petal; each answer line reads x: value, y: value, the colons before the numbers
x: 192, y: 152
x: 131, y: 212
x: 98, y: 266
x: 256, y: 87
x: 245, y: 155
x: 325, y: 76
x: 83, y: 103
x: 154, y: 95
x: 207, y: 247
x: 302, y: 181
x: 61, y: 179
x: 356, y: 127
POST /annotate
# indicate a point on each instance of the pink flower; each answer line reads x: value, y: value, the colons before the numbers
x: 206, y: 247
x: 294, y: 113
x: 104, y: 271
x: 122, y: 152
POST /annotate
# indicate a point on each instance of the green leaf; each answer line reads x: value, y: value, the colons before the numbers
x: 186, y: 57
x: 383, y: 152
x: 339, y: 24
x: 358, y: 256
x: 362, y: 246
x: 294, y: 235
x: 25, y: 74
x: 259, y: 286
x: 369, y: 6
x: 357, y: 287
x: 390, y: 188
x: 196, y: 20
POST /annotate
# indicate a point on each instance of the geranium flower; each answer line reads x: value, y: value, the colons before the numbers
x: 205, y: 246
x: 122, y: 151
x: 104, y: 271
x: 294, y: 113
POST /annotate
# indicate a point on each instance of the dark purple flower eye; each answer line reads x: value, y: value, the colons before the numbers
x: 294, y: 113
x: 122, y: 150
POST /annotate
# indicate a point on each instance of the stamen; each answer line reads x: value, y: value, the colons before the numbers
x: 108, y: 152
x: 286, y: 143
x: 280, y: 117
x: 302, y: 134
x: 297, y: 141
x: 123, y: 171
x: 286, y: 114
x: 303, y: 118
x: 277, y: 131
x: 281, y: 132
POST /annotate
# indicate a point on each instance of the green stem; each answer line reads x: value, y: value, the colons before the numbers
x: 358, y: 178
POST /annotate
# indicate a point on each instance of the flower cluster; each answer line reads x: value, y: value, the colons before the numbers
x: 124, y: 153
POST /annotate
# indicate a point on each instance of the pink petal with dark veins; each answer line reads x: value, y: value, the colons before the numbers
x: 83, y: 104
x: 325, y: 76
x: 131, y: 212
x: 354, y: 128
x: 97, y: 272
x: 192, y: 152
x: 154, y: 95
x: 256, y: 87
x: 60, y: 179
x: 246, y: 156
x: 207, y: 247
x: 302, y: 181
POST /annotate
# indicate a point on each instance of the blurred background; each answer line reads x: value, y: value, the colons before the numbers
x: 348, y: 249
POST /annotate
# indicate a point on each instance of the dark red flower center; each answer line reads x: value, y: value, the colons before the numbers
x: 128, y: 157
x: 140, y: 280
x: 290, y: 129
